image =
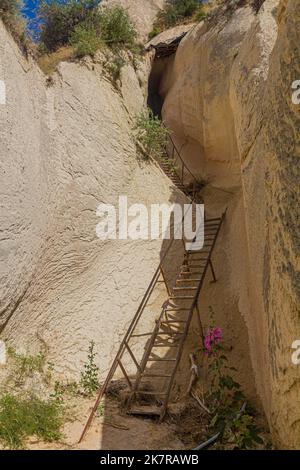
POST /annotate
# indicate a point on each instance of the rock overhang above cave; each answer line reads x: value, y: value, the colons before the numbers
x: 166, y: 43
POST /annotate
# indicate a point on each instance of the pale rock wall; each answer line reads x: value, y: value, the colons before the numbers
x: 66, y: 148
x: 229, y: 103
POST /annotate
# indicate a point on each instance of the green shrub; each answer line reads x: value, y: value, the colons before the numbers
x: 177, y: 10
x: 200, y: 15
x: 9, y: 7
x: 82, y: 24
x: 21, y: 418
x: 114, y: 67
x: 25, y: 366
x: 85, y: 41
x: 89, y: 380
x: 60, y: 18
x: 12, y: 18
x: 151, y: 134
x: 116, y: 27
x: 155, y: 31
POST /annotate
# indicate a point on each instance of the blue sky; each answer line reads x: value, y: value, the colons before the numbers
x: 29, y: 11
x: 29, y: 7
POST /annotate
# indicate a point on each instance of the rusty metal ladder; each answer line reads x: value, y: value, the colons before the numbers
x: 168, y: 333
x: 182, y: 300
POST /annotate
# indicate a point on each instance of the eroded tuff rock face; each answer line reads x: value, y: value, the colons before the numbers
x: 65, y: 148
x: 228, y: 98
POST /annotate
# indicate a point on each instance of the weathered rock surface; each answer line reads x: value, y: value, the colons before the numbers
x: 228, y: 99
x: 65, y: 148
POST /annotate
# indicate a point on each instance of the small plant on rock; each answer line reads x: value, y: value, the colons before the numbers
x: 151, y: 135
x: 114, y: 67
x: 85, y: 41
x: 177, y: 11
x: 117, y: 30
x: 25, y: 366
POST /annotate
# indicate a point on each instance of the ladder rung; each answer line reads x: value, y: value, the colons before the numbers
x: 212, y: 220
x: 177, y: 309
x: 200, y: 273
x: 172, y: 333
x: 144, y: 410
x: 173, y: 321
x: 193, y: 260
x: 146, y: 392
x: 160, y: 359
x: 184, y: 288
x: 195, y: 252
x: 160, y: 345
x: 195, y: 266
x: 189, y: 280
x: 156, y: 375
x: 142, y: 334
x: 189, y: 254
x: 182, y: 297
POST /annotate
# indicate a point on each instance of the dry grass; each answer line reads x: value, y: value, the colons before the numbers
x: 49, y: 62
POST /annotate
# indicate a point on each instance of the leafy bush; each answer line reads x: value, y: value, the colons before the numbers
x: 114, y: 67
x: 116, y: 27
x: 81, y: 24
x: 25, y: 366
x: 90, y: 376
x: 155, y: 31
x: 200, y: 15
x: 21, y: 418
x: 9, y: 7
x: 60, y: 18
x: 151, y: 135
x: 177, y: 10
x: 85, y: 41
x: 11, y: 16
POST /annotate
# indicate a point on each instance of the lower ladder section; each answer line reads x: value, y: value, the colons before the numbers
x: 150, y: 387
x: 156, y: 372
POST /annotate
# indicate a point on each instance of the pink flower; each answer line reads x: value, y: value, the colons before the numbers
x: 213, y: 337
x: 207, y: 344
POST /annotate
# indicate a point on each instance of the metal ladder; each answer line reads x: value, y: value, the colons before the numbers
x: 172, y: 328
x: 170, y: 331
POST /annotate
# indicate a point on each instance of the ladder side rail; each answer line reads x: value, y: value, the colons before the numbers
x: 180, y: 157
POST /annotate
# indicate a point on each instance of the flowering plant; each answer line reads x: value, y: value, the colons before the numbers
x: 225, y: 398
x: 212, y: 338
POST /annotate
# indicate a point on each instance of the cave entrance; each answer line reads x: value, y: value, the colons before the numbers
x: 164, y: 56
